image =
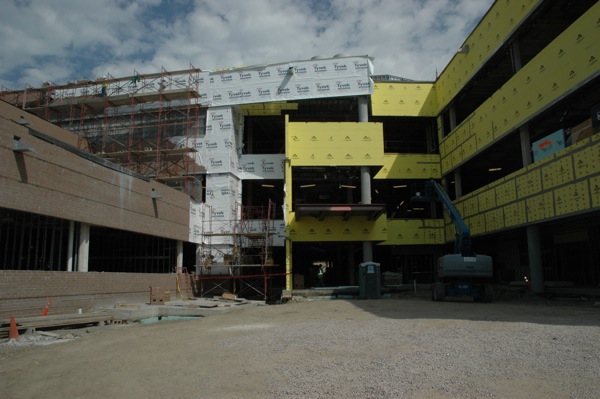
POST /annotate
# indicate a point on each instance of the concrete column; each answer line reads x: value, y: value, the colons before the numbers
x: 452, y: 116
x: 534, y: 240
x: 365, y: 195
x: 70, y: 246
x: 365, y: 176
x: 179, y: 257
x: 84, y: 247
x: 525, y: 145
x: 457, y: 177
x: 457, y: 184
x: 534, y: 249
x: 515, y: 52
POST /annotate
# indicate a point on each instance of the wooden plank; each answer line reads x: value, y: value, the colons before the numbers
x: 60, y: 320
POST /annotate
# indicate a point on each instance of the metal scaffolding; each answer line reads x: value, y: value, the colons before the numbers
x: 245, y: 269
x: 144, y: 122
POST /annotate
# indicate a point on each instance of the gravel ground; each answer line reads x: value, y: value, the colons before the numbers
x: 407, y: 347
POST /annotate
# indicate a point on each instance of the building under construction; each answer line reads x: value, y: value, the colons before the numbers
x: 288, y: 175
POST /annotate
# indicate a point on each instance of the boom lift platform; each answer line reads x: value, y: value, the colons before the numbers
x: 462, y: 273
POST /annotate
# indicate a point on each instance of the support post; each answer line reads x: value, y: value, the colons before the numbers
x: 534, y: 239
x: 179, y: 257
x: 84, y: 247
x: 452, y: 116
x: 365, y: 176
x: 457, y: 184
x: 70, y: 246
x: 534, y: 249
x: 525, y: 145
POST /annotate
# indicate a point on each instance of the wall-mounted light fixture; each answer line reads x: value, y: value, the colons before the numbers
x: 268, y: 185
x: 24, y: 122
x: 19, y: 146
x: 494, y: 169
x: 307, y: 185
x: 346, y: 186
x: 155, y: 194
x: 400, y: 186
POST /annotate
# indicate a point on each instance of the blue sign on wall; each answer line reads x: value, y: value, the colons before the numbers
x: 548, y: 145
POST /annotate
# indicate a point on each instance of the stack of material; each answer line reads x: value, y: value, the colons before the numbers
x: 61, y: 320
x: 391, y: 278
x: 159, y: 296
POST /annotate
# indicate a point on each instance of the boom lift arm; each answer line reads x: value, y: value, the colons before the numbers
x: 462, y: 241
x: 462, y: 273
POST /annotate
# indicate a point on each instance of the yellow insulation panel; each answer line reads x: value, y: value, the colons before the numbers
x: 558, y: 172
x: 544, y: 190
x: 587, y: 161
x: 404, y: 99
x: 481, y: 128
x: 410, y: 166
x: 462, y: 132
x: 487, y: 200
x: 470, y: 207
x: 446, y: 163
x: 494, y: 219
x: 529, y: 184
x: 335, y: 144
x: 595, y: 191
x: 570, y: 60
x: 515, y: 214
x: 469, y: 147
x: 572, y: 198
x: 457, y: 156
x: 309, y: 229
x: 440, y: 128
x: 506, y: 192
x: 274, y: 108
x: 476, y: 224
x: 415, y: 232
x: 488, y: 35
x: 540, y: 207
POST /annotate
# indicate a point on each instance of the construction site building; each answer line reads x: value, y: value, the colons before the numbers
x: 289, y: 175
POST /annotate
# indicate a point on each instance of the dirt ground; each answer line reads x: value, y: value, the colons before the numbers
x: 406, y: 347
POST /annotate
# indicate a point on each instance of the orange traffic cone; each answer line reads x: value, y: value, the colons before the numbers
x: 45, y: 312
x: 13, y: 333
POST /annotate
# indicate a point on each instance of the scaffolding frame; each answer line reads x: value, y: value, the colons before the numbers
x: 143, y: 122
x: 251, y: 254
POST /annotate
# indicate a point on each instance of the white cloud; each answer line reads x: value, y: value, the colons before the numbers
x: 71, y: 39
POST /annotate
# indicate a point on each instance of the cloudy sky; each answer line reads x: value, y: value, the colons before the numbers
x: 62, y: 40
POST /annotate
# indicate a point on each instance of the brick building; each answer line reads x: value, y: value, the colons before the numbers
x: 164, y: 171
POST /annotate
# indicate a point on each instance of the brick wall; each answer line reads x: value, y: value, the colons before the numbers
x: 55, y: 182
x: 25, y: 293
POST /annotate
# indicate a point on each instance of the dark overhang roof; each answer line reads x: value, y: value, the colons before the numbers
x: 321, y: 211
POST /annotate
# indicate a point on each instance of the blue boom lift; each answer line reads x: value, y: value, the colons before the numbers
x: 462, y: 273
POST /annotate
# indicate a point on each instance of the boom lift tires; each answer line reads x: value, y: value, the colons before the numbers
x: 462, y: 273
